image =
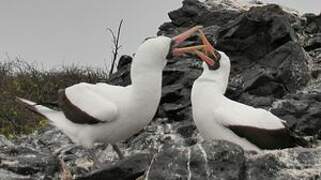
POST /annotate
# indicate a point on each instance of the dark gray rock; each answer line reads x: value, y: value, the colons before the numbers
x: 298, y: 163
x: 223, y: 160
x: 313, y: 42
x: 186, y: 129
x: 265, y: 166
x: 262, y: 29
x: 25, y: 162
x: 290, y: 64
x: 194, y: 12
x: 313, y: 23
x: 263, y: 52
x: 302, y: 112
x: 127, y: 169
x: 122, y: 77
x: 190, y: 10
x: 208, y: 160
x: 178, y: 78
x: 257, y: 101
x: 169, y: 164
x: 8, y: 175
x: 123, y: 61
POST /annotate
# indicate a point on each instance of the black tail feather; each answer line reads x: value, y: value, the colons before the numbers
x: 30, y: 107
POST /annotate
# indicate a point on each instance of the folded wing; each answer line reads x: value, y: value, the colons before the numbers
x: 83, y: 105
x: 258, y: 126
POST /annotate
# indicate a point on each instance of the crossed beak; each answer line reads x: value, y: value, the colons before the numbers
x: 202, y: 51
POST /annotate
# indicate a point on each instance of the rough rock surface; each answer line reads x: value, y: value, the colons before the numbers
x: 301, y: 111
x: 213, y: 160
x: 276, y: 64
x: 130, y: 168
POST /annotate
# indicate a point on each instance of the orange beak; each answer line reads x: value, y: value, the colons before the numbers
x: 177, y: 40
x: 183, y: 36
x: 202, y: 51
x: 209, y: 50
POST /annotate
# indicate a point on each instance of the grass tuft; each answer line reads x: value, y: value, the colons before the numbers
x: 19, y: 78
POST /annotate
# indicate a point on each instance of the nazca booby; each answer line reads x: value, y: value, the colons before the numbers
x: 218, y: 117
x: 107, y: 114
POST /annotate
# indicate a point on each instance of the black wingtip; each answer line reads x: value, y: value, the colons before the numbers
x: 30, y: 107
x: 300, y: 141
x: 296, y: 139
x: 18, y: 99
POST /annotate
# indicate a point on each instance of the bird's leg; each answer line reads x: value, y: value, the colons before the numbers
x: 120, y: 155
x: 95, y: 158
x: 92, y: 155
x: 65, y: 149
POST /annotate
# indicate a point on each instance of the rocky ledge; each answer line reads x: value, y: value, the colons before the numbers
x: 276, y: 65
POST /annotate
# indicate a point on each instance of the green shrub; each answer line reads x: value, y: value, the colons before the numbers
x: 19, y: 78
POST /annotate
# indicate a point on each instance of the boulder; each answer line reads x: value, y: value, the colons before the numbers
x: 207, y: 160
x: 266, y: 60
x: 19, y: 162
x: 297, y: 163
x: 313, y: 42
x: 127, y: 169
x: 313, y: 23
x: 301, y: 111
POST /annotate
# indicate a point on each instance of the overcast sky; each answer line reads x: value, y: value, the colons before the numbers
x: 56, y: 32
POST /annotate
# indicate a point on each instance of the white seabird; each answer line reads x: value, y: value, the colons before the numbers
x: 108, y: 114
x: 218, y: 117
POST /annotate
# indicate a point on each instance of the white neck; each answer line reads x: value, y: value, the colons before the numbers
x: 146, y: 84
x: 217, y: 79
x: 145, y: 78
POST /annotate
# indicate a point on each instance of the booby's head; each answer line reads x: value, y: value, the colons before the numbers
x: 216, y: 65
x: 213, y: 60
x: 221, y: 64
x: 155, y: 51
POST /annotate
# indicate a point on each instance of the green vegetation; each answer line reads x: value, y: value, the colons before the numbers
x: 19, y: 78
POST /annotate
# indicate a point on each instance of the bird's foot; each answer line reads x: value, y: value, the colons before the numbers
x: 119, y: 153
x: 65, y: 149
x: 97, y: 155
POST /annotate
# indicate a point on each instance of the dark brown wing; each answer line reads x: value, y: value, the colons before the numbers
x: 73, y: 113
x: 268, y: 139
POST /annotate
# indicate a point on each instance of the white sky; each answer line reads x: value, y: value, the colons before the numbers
x: 56, y: 32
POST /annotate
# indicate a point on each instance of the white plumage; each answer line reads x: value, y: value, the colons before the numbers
x: 120, y: 111
x: 218, y: 117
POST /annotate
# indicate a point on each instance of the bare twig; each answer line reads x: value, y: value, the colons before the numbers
x: 116, y: 45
